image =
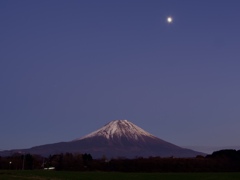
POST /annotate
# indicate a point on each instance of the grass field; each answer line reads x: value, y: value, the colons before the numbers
x: 59, y: 175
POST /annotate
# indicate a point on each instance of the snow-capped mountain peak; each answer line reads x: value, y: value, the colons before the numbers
x: 118, y: 129
x: 119, y: 138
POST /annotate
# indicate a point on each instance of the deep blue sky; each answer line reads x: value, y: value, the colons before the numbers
x: 69, y: 67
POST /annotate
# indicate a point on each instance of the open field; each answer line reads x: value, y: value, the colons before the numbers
x: 59, y: 175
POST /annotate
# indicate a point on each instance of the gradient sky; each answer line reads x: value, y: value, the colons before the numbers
x: 69, y: 67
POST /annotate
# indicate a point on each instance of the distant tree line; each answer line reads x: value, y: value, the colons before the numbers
x: 219, y: 161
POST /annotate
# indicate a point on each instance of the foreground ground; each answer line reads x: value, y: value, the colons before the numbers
x: 57, y: 175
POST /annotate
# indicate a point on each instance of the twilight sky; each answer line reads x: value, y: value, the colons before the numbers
x: 69, y: 67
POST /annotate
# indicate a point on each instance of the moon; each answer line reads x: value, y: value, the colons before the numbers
x: 169, y: 19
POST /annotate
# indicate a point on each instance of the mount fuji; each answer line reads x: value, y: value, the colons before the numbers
x: 118, y: 138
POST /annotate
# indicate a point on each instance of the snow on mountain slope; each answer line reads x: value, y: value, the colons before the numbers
x: 118, y: 129
x: 119, y: 138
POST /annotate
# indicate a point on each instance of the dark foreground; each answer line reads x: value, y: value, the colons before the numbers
x: 59, y: 175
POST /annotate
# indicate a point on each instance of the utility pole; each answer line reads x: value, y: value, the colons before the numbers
x: 23, y: 164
